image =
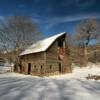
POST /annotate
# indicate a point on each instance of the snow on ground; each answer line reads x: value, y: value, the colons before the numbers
x: 81, y: 73
x: 73, y: 86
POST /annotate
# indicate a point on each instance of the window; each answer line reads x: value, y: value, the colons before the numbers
x: 50, y: 66
x: 35, y: 67
x: 60, y: 43
x: 41, y: 66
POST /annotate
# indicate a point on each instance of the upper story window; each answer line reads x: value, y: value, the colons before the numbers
x: 61, y: 48
x: 61, y: 42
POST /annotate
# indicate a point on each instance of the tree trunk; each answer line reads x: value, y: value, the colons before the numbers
x: 85, y: 55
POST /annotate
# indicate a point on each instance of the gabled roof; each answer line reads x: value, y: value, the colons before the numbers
x: 41, y: 45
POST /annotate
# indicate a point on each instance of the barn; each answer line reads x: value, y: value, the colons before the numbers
x: 46, y: 57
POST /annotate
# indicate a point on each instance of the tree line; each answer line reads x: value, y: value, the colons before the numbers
x: 18, y: 32
x: 85, y: 43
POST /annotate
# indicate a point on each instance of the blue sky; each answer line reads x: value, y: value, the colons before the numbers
x: 53, y: 16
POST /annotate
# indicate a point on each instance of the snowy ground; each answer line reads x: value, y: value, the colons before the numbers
x: 73, y: 86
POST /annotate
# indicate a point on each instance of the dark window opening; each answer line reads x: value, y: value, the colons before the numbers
x: 50, y: 66
x: 60, y: 43
x: 59, y: 58
x: 34, y: 66
x: 29, y: 68
x: 20, y: 66
x: 41, y: 66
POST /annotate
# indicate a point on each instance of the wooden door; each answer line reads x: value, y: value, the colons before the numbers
x: 29, y: 68
x: 60, y: 68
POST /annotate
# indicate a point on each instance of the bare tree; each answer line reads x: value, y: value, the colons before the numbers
x: 17, y: 32
x: 87, y: 33
x: 75, y: 55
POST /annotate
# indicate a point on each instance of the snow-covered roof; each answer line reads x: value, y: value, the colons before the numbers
x: 41, y: 45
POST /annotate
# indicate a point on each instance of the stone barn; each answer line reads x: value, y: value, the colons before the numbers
x: 46, y: 57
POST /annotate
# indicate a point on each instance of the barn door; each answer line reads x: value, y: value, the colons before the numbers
x: 60, y: 68
x: 29, y: 68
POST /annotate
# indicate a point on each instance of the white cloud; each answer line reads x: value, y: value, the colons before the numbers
x: 51, y: 22
x: 64, y: 19
x: 1, y: 17
x: 73, y: 18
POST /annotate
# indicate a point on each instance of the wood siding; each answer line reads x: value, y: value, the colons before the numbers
x: 46, y: 63
x: 37, y: 62
x: 52, y: 60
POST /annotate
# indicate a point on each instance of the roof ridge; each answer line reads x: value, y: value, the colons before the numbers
x: 51, y: 36
x: 41, y: 45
